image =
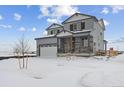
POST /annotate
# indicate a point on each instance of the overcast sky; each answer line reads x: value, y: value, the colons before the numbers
x: 32, y: 21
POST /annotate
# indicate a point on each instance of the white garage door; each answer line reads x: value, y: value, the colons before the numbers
x: 48, y: 51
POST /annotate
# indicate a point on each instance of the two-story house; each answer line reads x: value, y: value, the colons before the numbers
x: 80, y: 35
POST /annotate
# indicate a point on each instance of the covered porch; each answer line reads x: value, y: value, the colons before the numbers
x: 75, y: 45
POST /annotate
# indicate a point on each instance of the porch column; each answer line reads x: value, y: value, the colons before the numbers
x: 38, y: 50
x: 88, y: 37
x: 105, y: 46
x: 57, y: 45
x: 71, y: 46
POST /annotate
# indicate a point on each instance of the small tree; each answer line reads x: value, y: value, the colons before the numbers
x: 20, y: 50
x: 16, y: 53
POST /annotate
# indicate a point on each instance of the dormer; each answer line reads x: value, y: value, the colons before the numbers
x: 54, y: 29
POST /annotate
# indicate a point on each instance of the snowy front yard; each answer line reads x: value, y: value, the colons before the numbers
x: 59, y: 72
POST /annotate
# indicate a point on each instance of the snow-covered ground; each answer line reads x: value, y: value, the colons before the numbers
x: 60, y: 72
x: 5, y: 53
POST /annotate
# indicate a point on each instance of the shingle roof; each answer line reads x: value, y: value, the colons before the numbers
x: 59, y: 25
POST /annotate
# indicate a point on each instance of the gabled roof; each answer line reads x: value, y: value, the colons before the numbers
x: 70, y: 33
x: 101, y: 23
x: 48, y: 36
x: 54, y: 25
x: 64, y: 33
x: 84, y: 16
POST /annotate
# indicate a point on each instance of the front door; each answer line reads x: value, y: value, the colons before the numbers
x: 68, y: 44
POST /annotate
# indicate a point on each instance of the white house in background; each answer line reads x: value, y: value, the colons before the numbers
x: 80, y: 35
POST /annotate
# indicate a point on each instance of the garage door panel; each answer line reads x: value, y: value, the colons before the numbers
x: 48, y: 51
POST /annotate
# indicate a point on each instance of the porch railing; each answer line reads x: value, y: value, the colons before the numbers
x: 77, y: 50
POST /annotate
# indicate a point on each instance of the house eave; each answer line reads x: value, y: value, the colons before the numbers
x: 52, y: 36
x: 73, y: 33
x: 77, y: 32
x: 55, y: 27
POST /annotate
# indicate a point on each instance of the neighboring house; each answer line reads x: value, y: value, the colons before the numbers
x: 80, y: 34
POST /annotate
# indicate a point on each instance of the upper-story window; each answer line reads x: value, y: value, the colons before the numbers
x: 77, y: 26
x: 82, y: 25
x: 71, y: 27
x: 51, y: 32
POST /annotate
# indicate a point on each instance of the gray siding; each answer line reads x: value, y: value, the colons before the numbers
x: 98, y: 37
x: 77, y: 17
x: 55, y: 30
x: 52, y: 40
x: 47, y: 40
x: 88, y: 24
x: 82, y: 45
x: 81, y: 34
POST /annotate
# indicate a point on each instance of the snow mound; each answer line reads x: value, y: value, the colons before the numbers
x: 37, y: 77
x: 102, y: 79
x: 119, y: 58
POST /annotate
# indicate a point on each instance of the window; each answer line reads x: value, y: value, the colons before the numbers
x: 78, y: 26
x: 85, y: 42
x: 71, y: 27
x: 75, y: 26
x: 100, y: 33
x: 58, y: 31
x: 51, y: 32
x: 82, y: 25
x: 82, y: 41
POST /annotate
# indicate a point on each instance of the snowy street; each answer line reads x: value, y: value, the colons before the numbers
x: 60, y: 72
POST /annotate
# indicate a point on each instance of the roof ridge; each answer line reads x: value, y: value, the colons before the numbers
x: 79, y: 14
x: 54, y: 24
